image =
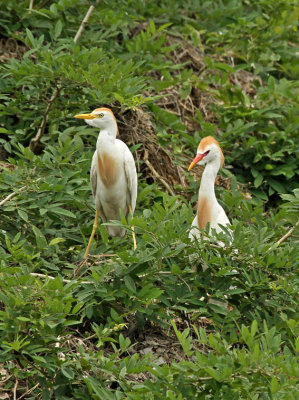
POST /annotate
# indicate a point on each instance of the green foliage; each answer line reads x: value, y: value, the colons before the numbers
x: 264, y: 133
x: 70, y: 333
x: 291, y: 205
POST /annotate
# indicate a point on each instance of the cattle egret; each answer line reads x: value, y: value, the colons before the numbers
x: 113, y: 175
x: 209, y: 153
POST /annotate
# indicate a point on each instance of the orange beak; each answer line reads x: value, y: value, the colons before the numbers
x: 195, y: 161
x: 86, y: 116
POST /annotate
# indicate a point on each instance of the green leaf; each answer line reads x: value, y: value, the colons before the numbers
x: 277, y: 186
x: 24, y: 319
x: 58, y: 29
x: 258, y: 181
x: 31, y: 38
x: 274, y: 385
x: 62, y: 211
x: 56, y: 241
x: 67, y: 372
x: 151, y: 27
x: 213, y: 373
x: 130, y: 284
x: 40, y: 238
x: 253, y: 328
x: 23, y: 215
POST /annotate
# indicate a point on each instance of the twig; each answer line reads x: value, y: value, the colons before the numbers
x: 31, y: 6
x: 28, y: 391
x: 15, y: 390
x: 284, y: 237
x: 52, y: 277
x: 155, y: 173
x: 102, y: 255
x: 10, y: 196
x: 34, y: 141
x: 84, y: 22
x: 182, y: 178
x: 182, y: 279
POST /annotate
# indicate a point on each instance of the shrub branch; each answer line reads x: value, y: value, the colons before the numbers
x: 11, y: 195
x: 84, y: 22
x: 284, y: 237
x: 35, y: 141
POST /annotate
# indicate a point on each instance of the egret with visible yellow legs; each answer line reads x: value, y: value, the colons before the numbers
x: 113, y: 175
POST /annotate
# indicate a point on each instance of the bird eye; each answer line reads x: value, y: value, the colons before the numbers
x: 206, y: 153
x: 101, y: 115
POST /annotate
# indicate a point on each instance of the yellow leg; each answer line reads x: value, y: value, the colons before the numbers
x: 133, y: 231
x: 94, y: 229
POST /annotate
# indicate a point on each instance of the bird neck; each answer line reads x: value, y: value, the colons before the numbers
x: 207, y: 184
x: 107, y: 135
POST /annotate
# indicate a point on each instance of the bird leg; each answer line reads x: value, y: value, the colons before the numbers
x: 94, y: 229
x: 133, y: 231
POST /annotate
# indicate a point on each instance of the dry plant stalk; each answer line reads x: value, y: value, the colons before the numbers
x: 28, y: 391
x: 43, y: 276
x: 31, y: 6
x: 284, y: 237
x: 84, y: 22
x: 10, y: 196
x: 35, y: 141
x: 155, y: 173
x: 15, y: 390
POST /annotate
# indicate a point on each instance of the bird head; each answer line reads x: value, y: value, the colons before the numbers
x: 102, y: 118
x: 208, y: 150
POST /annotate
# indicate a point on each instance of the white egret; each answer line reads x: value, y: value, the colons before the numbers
x: 113, y: 175
x: 209, y: 153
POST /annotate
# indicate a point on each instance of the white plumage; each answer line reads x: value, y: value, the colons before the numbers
x: 209, y: 210
x: 113, y: 174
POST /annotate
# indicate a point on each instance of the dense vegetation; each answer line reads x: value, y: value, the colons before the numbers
x: 141, y: 325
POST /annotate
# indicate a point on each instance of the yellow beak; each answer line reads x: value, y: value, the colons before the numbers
x: 86, y: 116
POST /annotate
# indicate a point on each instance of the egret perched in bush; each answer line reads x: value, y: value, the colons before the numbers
x: 209, y: 153
x: 113, y: 175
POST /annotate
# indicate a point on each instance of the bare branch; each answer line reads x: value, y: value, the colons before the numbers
x: 15, y: 390
x: 284, y: 237
x: 43, y: 276
x: 34, y: 141
x: 31, y: 6
x: 155, y: 173
x: 28, y: 391
x: 84, y: 22
x: 10, y: 196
